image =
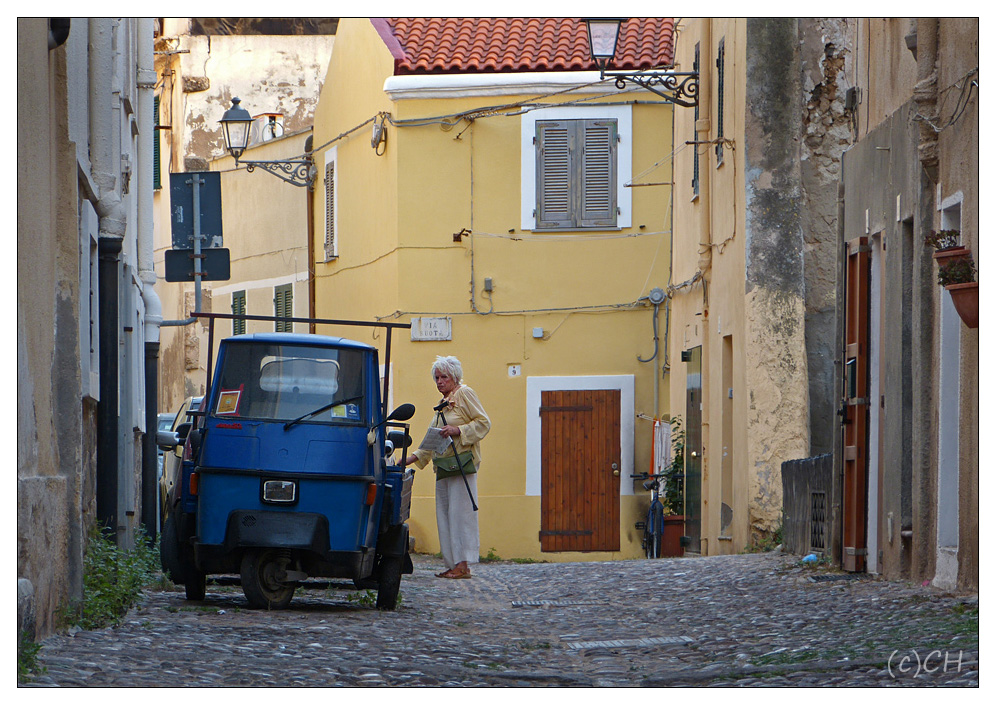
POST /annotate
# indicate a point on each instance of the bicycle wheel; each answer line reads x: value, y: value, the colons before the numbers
x: 656, y: 538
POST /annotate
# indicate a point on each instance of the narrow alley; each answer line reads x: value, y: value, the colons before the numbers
x: 741, y: 620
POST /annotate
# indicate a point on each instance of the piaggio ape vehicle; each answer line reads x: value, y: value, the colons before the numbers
x: 289, y: 471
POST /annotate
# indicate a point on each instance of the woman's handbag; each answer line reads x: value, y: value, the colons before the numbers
x: 449, y: 466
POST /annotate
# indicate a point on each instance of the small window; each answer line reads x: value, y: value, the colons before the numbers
x: 576, y: 164
x: 238, y: 309
x: 283, y: 307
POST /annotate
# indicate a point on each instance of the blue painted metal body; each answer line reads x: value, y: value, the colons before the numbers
x: 257, y: 429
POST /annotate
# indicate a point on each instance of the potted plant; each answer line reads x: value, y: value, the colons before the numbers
x: 958, y: 277
x: 956, y: 273
x: 947, y: 246
x: 673, y: 492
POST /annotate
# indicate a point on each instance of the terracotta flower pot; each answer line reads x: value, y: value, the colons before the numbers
x: 966, y: 302
x: 952, y: 254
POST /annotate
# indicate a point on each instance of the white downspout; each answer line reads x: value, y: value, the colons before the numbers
x: 146, y: 247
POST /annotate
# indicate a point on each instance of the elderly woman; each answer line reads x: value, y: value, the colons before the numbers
x: 462, y: 419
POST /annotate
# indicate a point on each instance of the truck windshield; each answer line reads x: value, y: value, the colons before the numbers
x: 284, y: 382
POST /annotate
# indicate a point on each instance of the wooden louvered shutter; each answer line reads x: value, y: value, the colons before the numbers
x: 238, y: 309
x: 598, y: 174
x: 156, y: 169
x: 330, y: 243
x: 283, y: 307
x: 553, y: 174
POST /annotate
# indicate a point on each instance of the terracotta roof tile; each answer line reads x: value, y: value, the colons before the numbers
x: 424, y: 45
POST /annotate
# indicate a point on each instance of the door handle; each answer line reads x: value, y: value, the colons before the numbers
x: 615, y: 469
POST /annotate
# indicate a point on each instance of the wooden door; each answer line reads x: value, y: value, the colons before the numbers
x: 580, y: 470
x: 855, y: 405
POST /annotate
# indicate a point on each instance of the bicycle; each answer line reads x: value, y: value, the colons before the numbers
x: 653, y: 527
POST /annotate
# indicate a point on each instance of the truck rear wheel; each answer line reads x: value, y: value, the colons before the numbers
x: 389, y: 584
x: 259, y: 579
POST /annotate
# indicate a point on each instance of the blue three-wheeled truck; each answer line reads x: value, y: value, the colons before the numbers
x: 288, y: 469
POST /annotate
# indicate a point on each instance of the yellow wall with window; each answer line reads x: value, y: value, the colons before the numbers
x: 569, y: 305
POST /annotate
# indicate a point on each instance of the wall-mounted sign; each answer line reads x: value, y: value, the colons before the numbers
x: 432, y: 328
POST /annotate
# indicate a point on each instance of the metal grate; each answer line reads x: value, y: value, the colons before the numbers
x: 615, y: 643
x: 818, y: 521
x: 248, y: 521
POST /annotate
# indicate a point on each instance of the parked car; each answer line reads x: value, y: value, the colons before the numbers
x: 177, y: 465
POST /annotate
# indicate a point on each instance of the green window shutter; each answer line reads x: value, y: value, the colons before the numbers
x: 720, y: 98
x: 695, y: 135
x: 156, y: 177
x: 554, y: 172
x: 598, y: 173
x: 238, y: 309
x: 283, y: 307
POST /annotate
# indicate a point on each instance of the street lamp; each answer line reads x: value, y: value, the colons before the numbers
x: 236, y: 124
x: 674, y: 87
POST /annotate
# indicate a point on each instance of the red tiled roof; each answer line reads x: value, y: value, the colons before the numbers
x: 424, y: 45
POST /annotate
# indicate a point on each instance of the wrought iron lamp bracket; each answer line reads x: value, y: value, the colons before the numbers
x: 299, y: 172
x: 674, y: 87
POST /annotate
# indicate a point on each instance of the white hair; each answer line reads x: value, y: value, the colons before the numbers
x: 449, y: 366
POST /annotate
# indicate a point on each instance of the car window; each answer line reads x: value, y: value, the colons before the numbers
x: 282, y: 382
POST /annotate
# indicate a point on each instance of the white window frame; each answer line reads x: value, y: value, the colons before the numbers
x: 622, y: 114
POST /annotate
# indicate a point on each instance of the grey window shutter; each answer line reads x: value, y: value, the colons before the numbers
x: 598, y: 173
x: 330, y: 244
x: 554, y: 208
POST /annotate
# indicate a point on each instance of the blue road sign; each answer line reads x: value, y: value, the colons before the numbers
x: 181, y: 194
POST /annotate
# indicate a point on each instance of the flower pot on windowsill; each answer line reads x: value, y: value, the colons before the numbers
x: 952, y: 254
x: 966, y: 302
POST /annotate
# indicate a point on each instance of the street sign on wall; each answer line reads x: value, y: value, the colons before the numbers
x: 181, y: 194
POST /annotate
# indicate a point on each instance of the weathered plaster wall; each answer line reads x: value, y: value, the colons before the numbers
x: 827, y: 130
x: 778, y: 428
x: 270, y: 73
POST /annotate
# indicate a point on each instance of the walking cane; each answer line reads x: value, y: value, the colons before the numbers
x: 439, y: 410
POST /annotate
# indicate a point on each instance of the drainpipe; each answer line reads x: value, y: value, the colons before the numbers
x: 146, y: 81
x: 310, y: 204
x: 925, y: 92
x: 703, y: 130
x: 105, y: 163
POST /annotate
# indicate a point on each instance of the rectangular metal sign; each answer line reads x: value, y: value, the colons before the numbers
x: 181, y: 194
x: 215, y: 265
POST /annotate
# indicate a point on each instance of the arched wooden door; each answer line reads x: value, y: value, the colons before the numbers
x: 580, y: 470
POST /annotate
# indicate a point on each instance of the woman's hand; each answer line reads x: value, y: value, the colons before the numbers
x: 449, y: 431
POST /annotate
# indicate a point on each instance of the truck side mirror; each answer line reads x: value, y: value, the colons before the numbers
x: 402, y: 413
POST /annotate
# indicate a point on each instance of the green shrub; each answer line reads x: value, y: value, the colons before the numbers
x: 672, y: 491
x: 27, y: 658
x: 113, y: 579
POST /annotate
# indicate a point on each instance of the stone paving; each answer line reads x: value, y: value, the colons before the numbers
x: 743, y: 620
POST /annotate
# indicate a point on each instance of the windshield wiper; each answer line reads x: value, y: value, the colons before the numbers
x: 336, y: 402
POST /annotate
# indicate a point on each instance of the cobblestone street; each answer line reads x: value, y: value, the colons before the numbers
x: 743, y: 620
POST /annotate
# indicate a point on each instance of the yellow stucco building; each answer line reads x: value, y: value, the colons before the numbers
x: 452, y: 198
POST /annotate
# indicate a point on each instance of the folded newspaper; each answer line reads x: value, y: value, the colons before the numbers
x: 435, y: 441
